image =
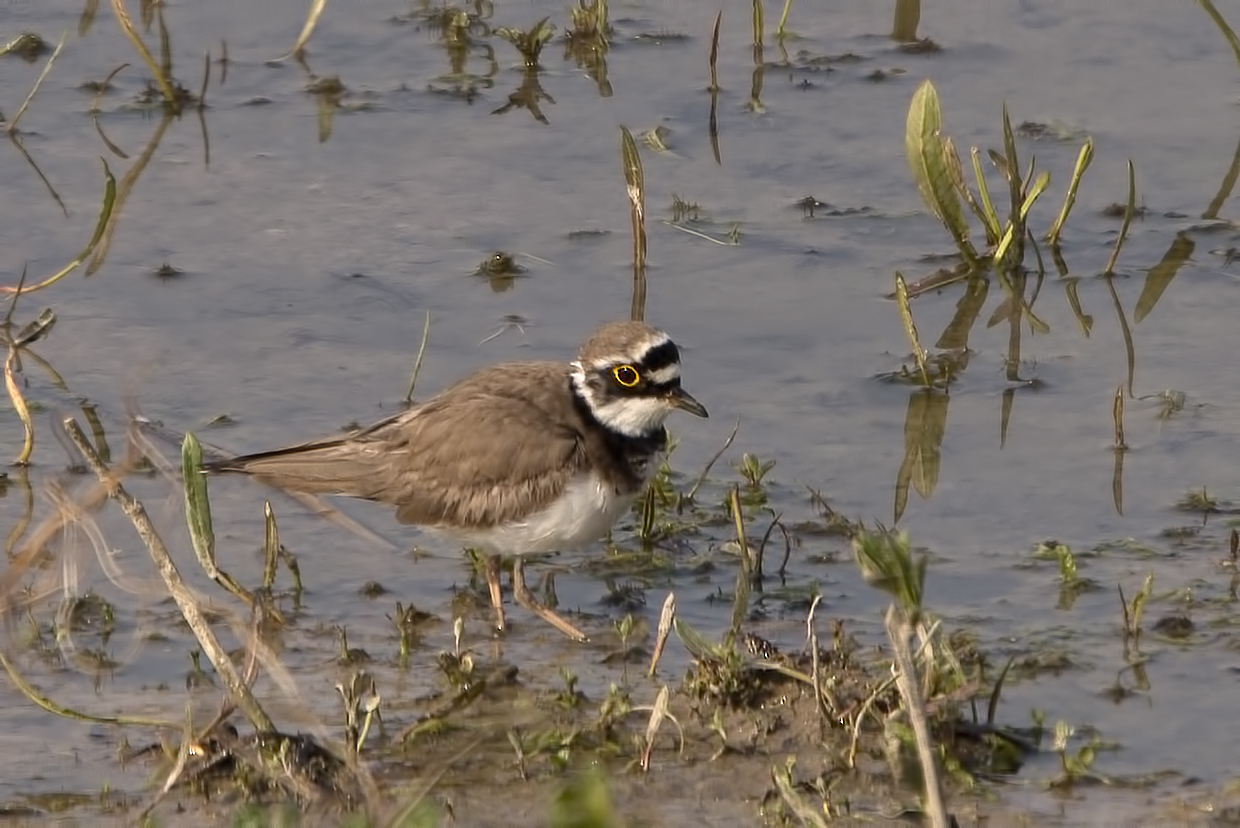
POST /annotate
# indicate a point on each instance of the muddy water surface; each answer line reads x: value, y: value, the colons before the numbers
x: 309, y: 257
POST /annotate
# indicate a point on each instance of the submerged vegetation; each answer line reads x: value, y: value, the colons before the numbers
x: 297, y: 712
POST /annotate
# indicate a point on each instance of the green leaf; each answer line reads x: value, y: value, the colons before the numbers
x: 1039, y: 186
x: 105, y: 209
x: 886, y: 562
x: 698, y: 645
x: 197, y: 504
x: 1083, y: 160
x: 989, y: 216
x: 1012, y: 163
x: 927, y: 158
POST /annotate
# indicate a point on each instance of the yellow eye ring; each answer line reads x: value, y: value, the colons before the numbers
x: 626, y: 375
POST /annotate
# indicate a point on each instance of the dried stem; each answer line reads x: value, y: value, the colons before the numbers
x: 186, y: 602
x: 12, y: 125
x: 899, y: 630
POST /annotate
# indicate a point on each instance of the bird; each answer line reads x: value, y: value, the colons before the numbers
x: 516, y: 459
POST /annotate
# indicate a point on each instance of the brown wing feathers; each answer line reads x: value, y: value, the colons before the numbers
x: 489, y: 449
x: 343, y: 466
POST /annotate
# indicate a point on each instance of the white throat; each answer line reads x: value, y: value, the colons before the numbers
x: 630, y: 416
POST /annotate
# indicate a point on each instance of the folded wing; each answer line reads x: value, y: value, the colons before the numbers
x: 474, y: 458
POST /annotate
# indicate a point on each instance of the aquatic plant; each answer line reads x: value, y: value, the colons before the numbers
x: 528, y: 42
x: 939, y: 175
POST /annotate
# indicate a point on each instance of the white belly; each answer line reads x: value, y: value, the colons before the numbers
x: 584, y: 513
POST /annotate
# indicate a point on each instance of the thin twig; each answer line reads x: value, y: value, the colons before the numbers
x: 713, y: 460
x: 417, y: 365
x: 812, y: 640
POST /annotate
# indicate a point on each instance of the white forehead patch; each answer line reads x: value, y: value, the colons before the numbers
x: 637, y: 355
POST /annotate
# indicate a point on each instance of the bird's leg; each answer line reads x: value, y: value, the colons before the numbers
x: 526, y: 599
x: 497, y: 599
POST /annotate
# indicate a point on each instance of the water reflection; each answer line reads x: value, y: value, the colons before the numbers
x: 529, y: 95
x: 18, y: 340
x: 925, y: 420
x: 15, y: 140
x: 755, y: 84
x: 123, y: 190
x: 587, y: 43
x: 461, y: 34
x: 924, y: 425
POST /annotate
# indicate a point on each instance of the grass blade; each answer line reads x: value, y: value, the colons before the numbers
x: 198, y: 518
x: 992, y: 707
x: 19, y: 405
x: 744, y: 579
x: 635, y: 179
x: 307, y: 29
x: 698, y: 645
x: 956, y: 170
x: 910, y: 327
x: 12, y: 125
x: 781, y: 32
x: 105, y: 209
x: 989, y: 216
x: 1039, y: 186
x: 105, y: 215
x: 1083, y: 160
x: 126, y: 24
x: 1227, y: 31
x: 1009, y: 234
x: 1012, y: 163
x: 1129, y: 210
x: 197, y: 502
x: 417, y: 365
x: 271, y: 547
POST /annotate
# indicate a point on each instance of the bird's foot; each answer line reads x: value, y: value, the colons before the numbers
x: 526, y: 599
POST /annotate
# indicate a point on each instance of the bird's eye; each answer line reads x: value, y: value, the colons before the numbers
x: 626, y: 375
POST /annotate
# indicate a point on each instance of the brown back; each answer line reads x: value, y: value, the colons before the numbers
x: 494, y: 447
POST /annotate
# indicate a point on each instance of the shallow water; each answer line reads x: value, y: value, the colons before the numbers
x: 309, y: 265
